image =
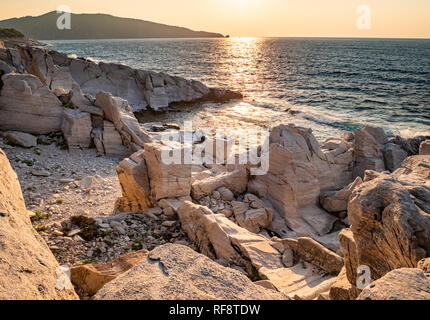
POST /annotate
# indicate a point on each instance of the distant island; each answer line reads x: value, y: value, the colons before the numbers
x: 99, y: 26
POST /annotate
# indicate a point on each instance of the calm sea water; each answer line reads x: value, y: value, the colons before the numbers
x: 326, y: 84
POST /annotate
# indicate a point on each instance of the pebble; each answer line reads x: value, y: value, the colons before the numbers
x: 169, y: 224
x: 40, y: 173
x: 74, y: 232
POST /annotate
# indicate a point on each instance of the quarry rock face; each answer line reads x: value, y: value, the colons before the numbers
x: 28, y: 270
x: 218, y: 237
x: 133, y: 176
x: 298, y: 170
x: 146, y: 179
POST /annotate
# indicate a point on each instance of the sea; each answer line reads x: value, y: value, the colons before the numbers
x: 331, y: 85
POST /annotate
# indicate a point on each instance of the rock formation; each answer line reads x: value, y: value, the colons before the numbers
x: 47, y: 91
x: 22, y: 139
x: 336, y: 201
x: 270, y: 260
x: 29, y: 106
x: 146, y: 179
x: 389, y: 216
x: 77, y: 127
x: 425, y: 148
x: 28, y: 270
x: 172, y: 272
x: 286, y: 230
x: 399, y: 284
x: 298, y: 171
x: 91, y: 278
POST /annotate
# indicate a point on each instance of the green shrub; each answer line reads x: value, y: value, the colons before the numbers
x: 137, y: 245
x: 40, y: 228
x: 39, y: 216
x: 43, y: 142
x: 10, y: 33
x: 69, y: 106
x: 89, y: 261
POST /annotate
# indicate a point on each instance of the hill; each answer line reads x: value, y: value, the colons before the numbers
x: 98, y: 26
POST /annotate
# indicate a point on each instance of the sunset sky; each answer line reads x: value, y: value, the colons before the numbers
x: 244, y: 18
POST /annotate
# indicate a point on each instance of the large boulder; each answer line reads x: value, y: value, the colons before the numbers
x: 342, y: 289
x: 337, y: 201
x: 235, y: 181
x: 111, y: 140
x: 394, y: 156
x: 28, y: 270
x: 175, y: 272
x: 21, y: 139
x: 147, y: 177
x: 315, y: 253
x: 399, y: 284
x: 121, y: 115
x: 133, y: 177
x: 368, y: 150
x: 77, y: 127
x: 90, y: 278
x: 29, y: 106
x: 389, y: 216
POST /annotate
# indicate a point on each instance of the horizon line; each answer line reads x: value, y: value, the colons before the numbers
x: 249, y: 37
x: 225, y: 35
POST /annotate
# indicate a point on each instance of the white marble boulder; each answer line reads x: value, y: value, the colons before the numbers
x: 29, y: 106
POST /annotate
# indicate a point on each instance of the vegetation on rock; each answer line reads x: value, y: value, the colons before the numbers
x: 10, y: 33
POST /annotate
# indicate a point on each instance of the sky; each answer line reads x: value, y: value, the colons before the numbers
x: 258, y: 18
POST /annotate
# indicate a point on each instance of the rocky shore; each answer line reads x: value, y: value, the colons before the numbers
x: 84, y: 185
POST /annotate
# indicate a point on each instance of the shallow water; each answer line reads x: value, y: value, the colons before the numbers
x: 329, y: 85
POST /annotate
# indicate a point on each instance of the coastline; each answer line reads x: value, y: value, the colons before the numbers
x: 344, y: 98
x: 107, y: 191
